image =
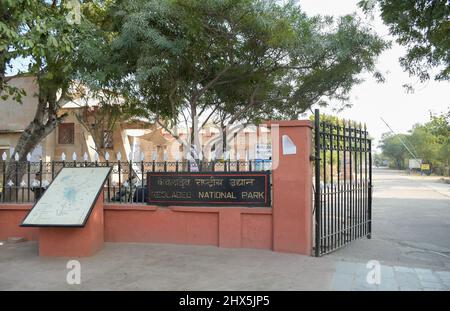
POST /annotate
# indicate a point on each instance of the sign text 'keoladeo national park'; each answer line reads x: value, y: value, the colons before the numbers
x: 209, y: 188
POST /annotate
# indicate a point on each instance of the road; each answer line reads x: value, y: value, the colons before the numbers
x: 411, y: 241
x: 411, y: 222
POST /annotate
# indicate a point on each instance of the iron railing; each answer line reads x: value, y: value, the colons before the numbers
x: 27, y: 180
x: 343, y: 184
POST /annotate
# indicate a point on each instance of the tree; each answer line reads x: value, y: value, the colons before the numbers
x: 232, y: 61
x: 423, y: 27
x: 100, y: 120
x: 393, y: 148
x: 49, y: 33
x: 12, y: 15
x: 379, y: 159
x: 429, y: 142
x: 432, y: 142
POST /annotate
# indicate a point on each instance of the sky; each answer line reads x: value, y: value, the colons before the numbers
x: 370, y: 100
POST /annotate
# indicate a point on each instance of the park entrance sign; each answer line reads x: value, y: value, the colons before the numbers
x: 209, y: 188
x: 70, y: 198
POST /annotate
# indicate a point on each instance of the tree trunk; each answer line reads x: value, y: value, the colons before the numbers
x: 2, y: 71
x: 44, y: 122
x: 195, y: 148
x: 223, y: 129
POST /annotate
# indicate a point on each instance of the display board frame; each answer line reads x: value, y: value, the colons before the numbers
x: 83, y: 224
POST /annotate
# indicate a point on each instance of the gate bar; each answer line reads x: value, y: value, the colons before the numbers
x: 317, y: 209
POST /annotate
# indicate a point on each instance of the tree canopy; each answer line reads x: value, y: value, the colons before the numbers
x: 429, y: 142
x: 230, y: 60
x: 14, y: 14
x: 49, y: 36
x: 423, y: 27
x: 392, y: 147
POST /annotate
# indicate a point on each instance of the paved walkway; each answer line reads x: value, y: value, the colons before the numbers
x: 133, y: 266
x: 353, y: 276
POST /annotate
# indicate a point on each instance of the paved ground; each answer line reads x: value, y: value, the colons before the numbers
x: 411, y: 241
x: 411, y: 236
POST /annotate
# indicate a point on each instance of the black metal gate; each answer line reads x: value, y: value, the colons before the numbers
x: 343, y: 184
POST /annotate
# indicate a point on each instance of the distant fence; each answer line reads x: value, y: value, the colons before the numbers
x: 28, y: 180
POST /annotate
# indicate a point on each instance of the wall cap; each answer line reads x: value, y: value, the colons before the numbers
x: 129, y: 207
x: 16, y: 207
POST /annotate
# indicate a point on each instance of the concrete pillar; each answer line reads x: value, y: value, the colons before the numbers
x: 74, y: 242
x: 292, y: 188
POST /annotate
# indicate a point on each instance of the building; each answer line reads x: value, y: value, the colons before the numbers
x: 136, y: 139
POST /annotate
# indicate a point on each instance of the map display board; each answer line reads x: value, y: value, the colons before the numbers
x: 209, y: 188
x: 69, y: 199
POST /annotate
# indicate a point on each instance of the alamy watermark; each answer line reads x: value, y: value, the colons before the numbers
x: 74, y: 15
x: 374, y: 275
x: 73, y: 276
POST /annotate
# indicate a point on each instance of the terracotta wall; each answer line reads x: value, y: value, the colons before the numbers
x: 224, y: 227
x: 11, y: 215
x: 286, y: 227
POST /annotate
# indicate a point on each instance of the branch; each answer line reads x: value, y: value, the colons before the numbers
x: 250, y: 104
x: 198, y: 94
x: 165, y: 127
x: 209, y: 116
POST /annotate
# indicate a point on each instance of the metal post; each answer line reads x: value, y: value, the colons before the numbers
x: 361, y: 192
x: 370, y: 191
x: 130, y: 180
x: 108, y: 183
x: 338, y: 192
x: 345, y: 197
x: 40, y: 177
x: 3, y: 180
x: 317, y: 208
x: 28, y: 180
x: 142, y: 181
x: 120, y: 180
x: 53, y: 169
x: 332, y: 196
x: 350, y: 178
x: 17, y: 163
x: 366, y: 184
x: 324, y: 204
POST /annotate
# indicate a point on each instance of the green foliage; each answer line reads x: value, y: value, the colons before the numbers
x: 49, y: 34
x: 432, y: 142
x: 13, y: 13
x: 244, y: 60
x: 335, y: 120
x: 393, y: 148
x: 379, y: 159
x: 429, y: 142
x: 423, y: 27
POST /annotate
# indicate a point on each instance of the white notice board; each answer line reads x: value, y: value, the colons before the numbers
x: 69, y: 199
